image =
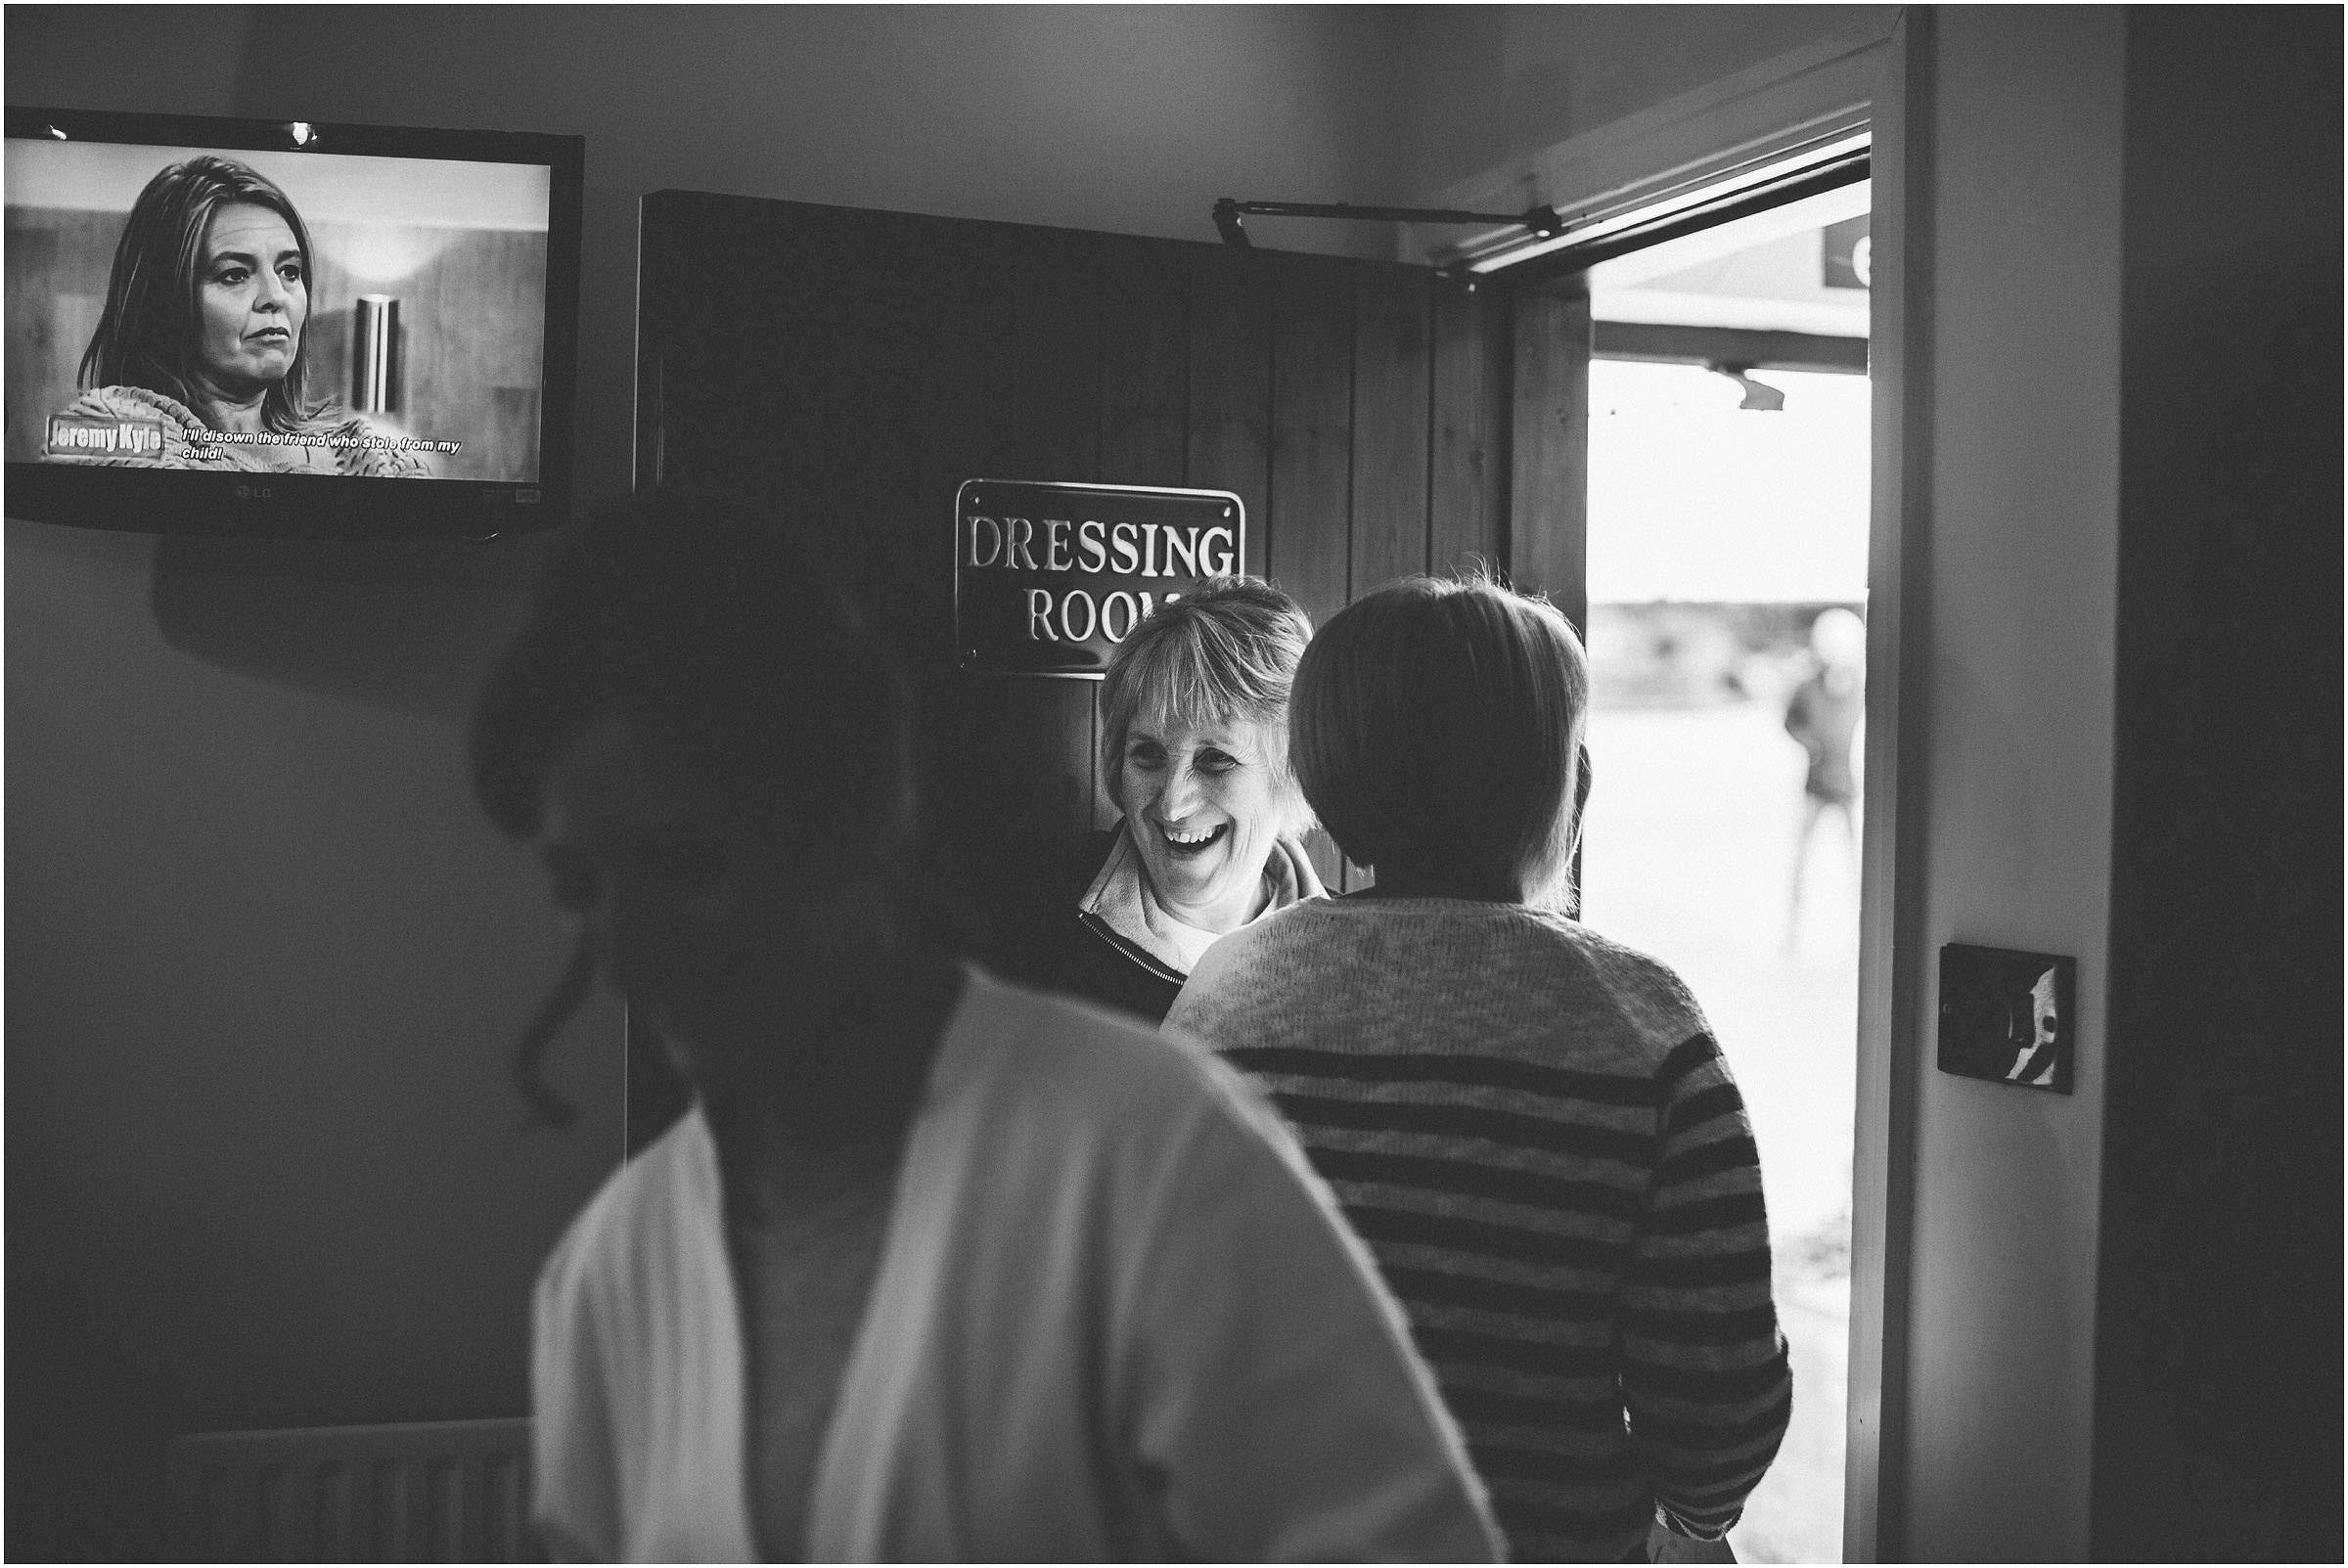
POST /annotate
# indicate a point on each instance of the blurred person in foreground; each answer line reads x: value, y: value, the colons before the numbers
x: 935, y: 1268
x: 1530, y: 1126
x: 1194, y: 753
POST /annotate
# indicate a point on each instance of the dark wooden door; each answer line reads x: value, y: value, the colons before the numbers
x: 851, y: 368
x: 859, y: 364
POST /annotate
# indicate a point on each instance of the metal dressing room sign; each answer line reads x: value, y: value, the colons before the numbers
x: 1050, y: 578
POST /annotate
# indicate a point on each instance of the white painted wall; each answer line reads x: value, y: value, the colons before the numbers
x: 1481, y: 86
x: 2019, y: 592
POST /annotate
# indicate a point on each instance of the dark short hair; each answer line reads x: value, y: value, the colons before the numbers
x: 148, y: 333
x: 702, y: 624
x: 1435, y: 726
x: 1227, y: 650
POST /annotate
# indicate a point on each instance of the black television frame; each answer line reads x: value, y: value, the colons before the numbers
x: 173, y: 501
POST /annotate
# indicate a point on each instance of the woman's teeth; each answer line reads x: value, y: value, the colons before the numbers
x: 1192, y: 844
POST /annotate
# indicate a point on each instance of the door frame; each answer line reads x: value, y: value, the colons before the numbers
x: 1873, y: 81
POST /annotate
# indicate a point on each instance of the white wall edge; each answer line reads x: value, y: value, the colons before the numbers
x: 1883, y: 1143
x: 1797, y: 97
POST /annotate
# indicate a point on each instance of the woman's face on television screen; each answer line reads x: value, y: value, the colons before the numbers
x: 253, y: 294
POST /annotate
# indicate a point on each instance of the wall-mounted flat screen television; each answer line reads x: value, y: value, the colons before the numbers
x: 271, y: 327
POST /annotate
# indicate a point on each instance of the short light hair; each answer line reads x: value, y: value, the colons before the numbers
x: 1436, y: 727
x: 1227, y: 651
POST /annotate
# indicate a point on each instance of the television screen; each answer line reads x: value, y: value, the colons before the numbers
x: 273, y: 326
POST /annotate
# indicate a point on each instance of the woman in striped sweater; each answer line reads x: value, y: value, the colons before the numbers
x: 1530, y: 1125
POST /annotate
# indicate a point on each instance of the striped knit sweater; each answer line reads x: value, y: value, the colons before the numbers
x: 1535, y: 1133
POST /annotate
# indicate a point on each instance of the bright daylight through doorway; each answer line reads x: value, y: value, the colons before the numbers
x: 1727, y: 572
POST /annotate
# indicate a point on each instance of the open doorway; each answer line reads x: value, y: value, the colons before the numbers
x: 1726, y: 574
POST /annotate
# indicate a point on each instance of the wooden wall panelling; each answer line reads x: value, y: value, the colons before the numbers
x: 1549, y: 469
x: 1468, y: 477
x: 59, y: 265
x: 1055, y: 366
x: 949, y: 316
x: 471, y: 319
x: 663, y: 354
x: 516, y: 421
x: 1011, y: 391
x: 1321, y: 851
x: 1390, y: 385
x: 1311, y: 502
x: 1024, y: 767
x: 1230, y: 425
x: 1055, y: 412
x: 1104, y: 814
x: 778, y: 375
x: 41, y: 369
x: 1144, y: 363
x: 1311, y: 499
x: 1144, y: 387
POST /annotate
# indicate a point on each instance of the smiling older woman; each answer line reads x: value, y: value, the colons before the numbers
x: 204, y: 331
x: 1193, y: 754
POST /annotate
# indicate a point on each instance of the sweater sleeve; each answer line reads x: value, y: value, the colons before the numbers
x: 1706, y: 1380
x: 359, y: 451
x: 1274, y: 1403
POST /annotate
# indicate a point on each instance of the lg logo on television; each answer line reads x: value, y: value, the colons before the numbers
x: 252, y: 492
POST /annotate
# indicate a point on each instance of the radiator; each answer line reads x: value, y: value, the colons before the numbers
x: 414, y: 1492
